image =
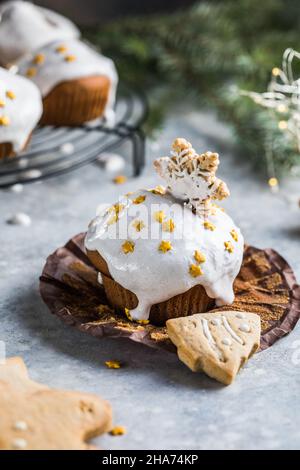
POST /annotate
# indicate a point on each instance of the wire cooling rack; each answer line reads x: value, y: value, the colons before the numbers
x: 57, y: 150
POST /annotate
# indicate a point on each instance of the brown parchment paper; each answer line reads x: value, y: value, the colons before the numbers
x: 266, y: 285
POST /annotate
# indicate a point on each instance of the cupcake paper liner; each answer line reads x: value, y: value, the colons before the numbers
x: 266, y: 285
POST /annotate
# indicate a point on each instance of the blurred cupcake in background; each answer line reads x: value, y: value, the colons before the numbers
x: 20, y: 111
x: 25, y: 27
x: 77, y: 83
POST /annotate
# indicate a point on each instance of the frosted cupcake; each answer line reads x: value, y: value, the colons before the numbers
x: 20, y: 111
x: 169, y: 252
x: 25, y: 27
x: 77, y: 84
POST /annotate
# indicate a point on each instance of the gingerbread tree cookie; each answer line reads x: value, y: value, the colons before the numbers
x: 217, y: 343
x: 35, y: 417
x: 191, y: 177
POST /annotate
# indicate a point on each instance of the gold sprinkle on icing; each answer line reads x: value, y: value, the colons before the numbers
x: 165, y: 246
x: 61, y: 49
x: 195, y: 270
x: 2, y: 104
x: 118, y: 208
x: 209, y: 226
x: 168, y: 225
x: 139, y: 199
x: 113, y: 219
x: 31, y: 72
x: 228, y: 247
x: 70, y: 58
x: 4, y: 121
x: 39, y: 59
x: 199, y: 257
x: 234, y: 235
x: 120, y: 179
x: 138, y: 225
x: 118, y: 431
x: 10, y: 94
x: 159, y: 216
x: 128, y: 247
x: 158, y: 190
x: 113, y: 364
x: 127, y: 313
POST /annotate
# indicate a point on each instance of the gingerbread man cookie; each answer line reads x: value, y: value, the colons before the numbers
x: 36, y: 417
x: 217, y: 343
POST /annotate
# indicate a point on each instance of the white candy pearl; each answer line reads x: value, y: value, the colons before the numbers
x: 67, y: 148
x: 20, y: 219
x: 226, y: 342
x: 20, y: 426
x: 245, y: 327
x: 240, y: 315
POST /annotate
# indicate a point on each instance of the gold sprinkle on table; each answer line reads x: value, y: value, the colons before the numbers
x: 168, y: 225
x: 70, y: 58
x: 10, y: 94
x: 139, y: 199
x: 31, y: 72
x: 234, y: 235
x: 118, y: 431
x: 128, y: 247
x: 2, y: 104
x: 209, y: 225
x: 165, y: 246
x: 39, y: 59
x: 113, y: 364
x: 199, y: 257
x: 159, y: 216
x: 142, y: 322
x: 4, y: 121
x: 228, y: 247
x: 120, y: 179
x: 138, y: 225
x: 61, y: 49
x: 195, y: 270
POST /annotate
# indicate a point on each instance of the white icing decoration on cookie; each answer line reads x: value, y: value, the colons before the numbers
x: 155, y: 276
x: 20, y: 426
x: 230, y: 330
x: 245, y: 327
x: 55, y: 69
x: 210, y: 339
x: 240, y: 315
x: 21, y: 113
x: 216, y: 321
x: 226, y: 342
x: 25, y: 27
x: 19, y: 443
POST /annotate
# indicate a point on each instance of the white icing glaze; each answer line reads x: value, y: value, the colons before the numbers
x: 230, y: 330
x: 23, y: 111
x: 155, y: 276
x: 56, y: 69
x: 245, y: 327
x: 25, y: 27
x: 216, y: 321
